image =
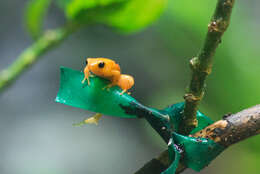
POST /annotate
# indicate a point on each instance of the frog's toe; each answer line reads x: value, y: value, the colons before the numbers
x: 123, y: 92
x: 79, y: 124
x: 83, y: 81
x: 92, y: 120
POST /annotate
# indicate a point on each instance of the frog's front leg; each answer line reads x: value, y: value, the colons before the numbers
x: 92, y: 120
x: 86, y: 75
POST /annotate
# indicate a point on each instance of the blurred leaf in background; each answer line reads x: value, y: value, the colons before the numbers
x: 123, y: 15
x: 34, y: 16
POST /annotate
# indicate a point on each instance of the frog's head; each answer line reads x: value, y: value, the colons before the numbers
x: 100, y: 66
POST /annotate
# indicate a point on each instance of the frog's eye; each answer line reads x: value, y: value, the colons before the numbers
x: 101, y: 65
x: 86, y: 62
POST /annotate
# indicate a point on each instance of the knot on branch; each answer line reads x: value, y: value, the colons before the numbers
x: 218, y: 25
x: 229, y: 3
x: 213, y: 27
x: 196, y: 66
x: 192, y: 98
x: 194, y: 63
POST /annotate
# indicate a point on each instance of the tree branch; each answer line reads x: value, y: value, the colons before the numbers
x: 202, y: 65
x: 27, y: 58
x: 230, y: 130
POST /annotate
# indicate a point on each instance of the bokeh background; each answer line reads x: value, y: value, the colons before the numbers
x: 37, y: 135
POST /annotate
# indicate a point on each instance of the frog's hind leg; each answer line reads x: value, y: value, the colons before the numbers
x: 92, y: 120
x: 110, y: 85
x: 114, y: 78
x: 125, y: 82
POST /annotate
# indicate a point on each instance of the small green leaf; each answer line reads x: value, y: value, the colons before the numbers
x: 123, y: 15
x: 76, y: 8
x: 35, y: 13
x: 134, y: 16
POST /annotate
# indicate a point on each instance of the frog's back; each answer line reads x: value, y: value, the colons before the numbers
x: 117, y: 67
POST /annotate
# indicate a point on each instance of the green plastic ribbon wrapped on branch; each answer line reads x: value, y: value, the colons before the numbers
x: 196, y: 153
x: 92, y: 97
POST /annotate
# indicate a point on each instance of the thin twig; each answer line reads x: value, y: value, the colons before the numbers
x: 202, y: 65
x: 228, y: 131
x: 28, y: 57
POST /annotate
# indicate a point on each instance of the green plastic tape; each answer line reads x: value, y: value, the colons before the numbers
x: 91, y: 97
x: 197, y: 152
x: 174, y: 156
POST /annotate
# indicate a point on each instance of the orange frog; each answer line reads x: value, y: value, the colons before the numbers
x: 108, y: 69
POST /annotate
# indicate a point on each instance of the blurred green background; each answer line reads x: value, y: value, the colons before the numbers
x: 37, y: 135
